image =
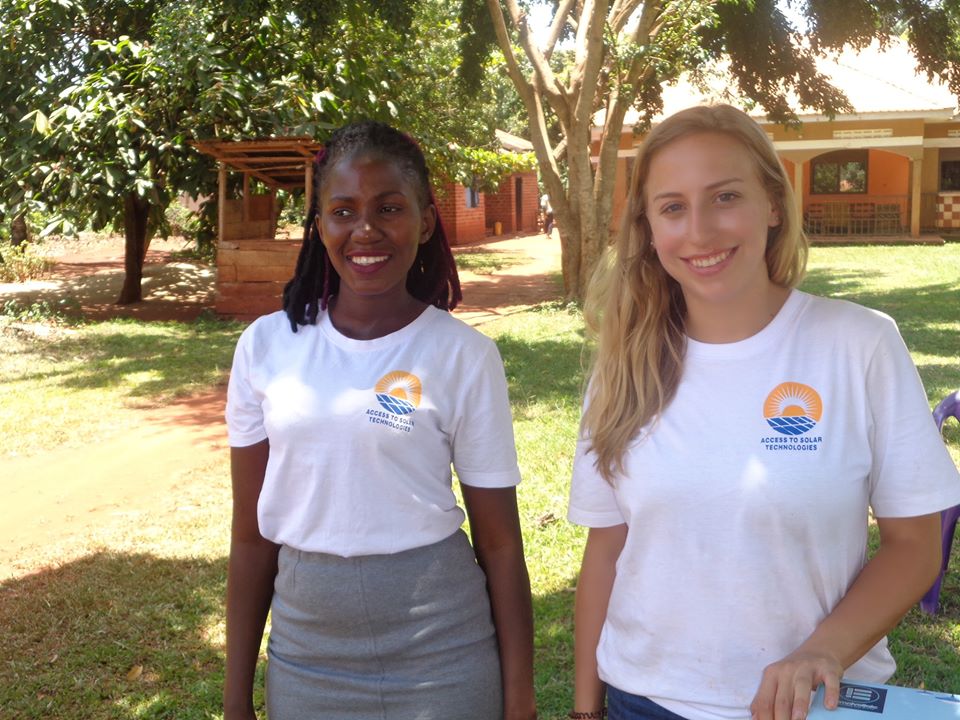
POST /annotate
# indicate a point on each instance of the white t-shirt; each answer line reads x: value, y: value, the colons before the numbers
x: 746, y: 505
x: 362, y: 432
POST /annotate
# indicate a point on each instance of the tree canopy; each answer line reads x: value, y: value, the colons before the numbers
x: 616, y: 55
x: 99, y: 100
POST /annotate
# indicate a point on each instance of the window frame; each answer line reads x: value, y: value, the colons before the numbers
x: 940, y: 175
x: 838, y: 159
x: 472, y: 197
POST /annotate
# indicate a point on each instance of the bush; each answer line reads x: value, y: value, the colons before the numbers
x: 181, y: 221
x: 21, y: 264
x: 62, y: 311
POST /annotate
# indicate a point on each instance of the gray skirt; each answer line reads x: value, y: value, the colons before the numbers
x: 383, y: 637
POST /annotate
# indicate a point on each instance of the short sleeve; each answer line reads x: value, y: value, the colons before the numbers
x: 484, y: 453
x: 593, y: 500
x: 912, y: 473
x: 244, y: 413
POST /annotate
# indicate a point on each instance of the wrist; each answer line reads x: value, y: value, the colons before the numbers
x: 591, y: 715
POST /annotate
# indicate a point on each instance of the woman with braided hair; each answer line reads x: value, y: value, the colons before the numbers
x: 345, y: 412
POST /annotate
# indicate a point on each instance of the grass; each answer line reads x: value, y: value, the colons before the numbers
x: 127, y: 622
x: 485, y: 262
x: 65, y: 385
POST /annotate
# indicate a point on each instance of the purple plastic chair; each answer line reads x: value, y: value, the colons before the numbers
x: 948, y: 407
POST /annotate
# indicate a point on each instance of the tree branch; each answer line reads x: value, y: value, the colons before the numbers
x: 531, y: 99
x: 556, y: 27
x: 542, y: 72
x: 621, y: 12
x: 590, y: 59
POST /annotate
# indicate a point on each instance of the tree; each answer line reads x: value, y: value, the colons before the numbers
x: 111, y: 111
x: 97, y: 131
x: 623, y: 51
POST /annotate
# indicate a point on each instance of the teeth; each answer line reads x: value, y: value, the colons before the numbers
x: 710, y: 261
x: 367, y: 259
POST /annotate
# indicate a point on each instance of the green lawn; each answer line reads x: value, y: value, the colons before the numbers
x: 128, y: 623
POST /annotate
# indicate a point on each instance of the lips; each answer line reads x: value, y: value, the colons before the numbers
x: 702, y: 262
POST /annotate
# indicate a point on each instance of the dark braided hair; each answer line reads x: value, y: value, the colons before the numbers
x: 433, y: 277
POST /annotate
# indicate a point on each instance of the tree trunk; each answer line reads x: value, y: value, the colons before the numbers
x: 136, y: 211
x: 19, y: 233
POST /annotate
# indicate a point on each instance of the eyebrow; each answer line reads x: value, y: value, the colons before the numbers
x: 381, y: 196
x: 711, y: 186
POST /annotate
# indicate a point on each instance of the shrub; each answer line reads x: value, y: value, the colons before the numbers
x: 21, y: 264
x: 64, y: 310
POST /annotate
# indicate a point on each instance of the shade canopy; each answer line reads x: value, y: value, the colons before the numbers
x: 278, y: 162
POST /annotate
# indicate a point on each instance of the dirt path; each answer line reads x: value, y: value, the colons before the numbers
x: 65, y: 492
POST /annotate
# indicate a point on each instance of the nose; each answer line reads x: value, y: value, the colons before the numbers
x: 701, y: 225
x: 365, y: 228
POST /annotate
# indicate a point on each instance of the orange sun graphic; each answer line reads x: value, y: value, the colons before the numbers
x: 793, y: 399
x: 401, y: 385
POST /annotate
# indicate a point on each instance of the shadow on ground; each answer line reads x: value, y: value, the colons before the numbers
x: 114, y: 635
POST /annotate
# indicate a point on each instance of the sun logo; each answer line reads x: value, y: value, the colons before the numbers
x: 793, y: 408
x: 398, y: 392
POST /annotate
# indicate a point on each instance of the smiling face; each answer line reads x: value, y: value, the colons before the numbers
x: 709, y: 215
x: 372, y: 221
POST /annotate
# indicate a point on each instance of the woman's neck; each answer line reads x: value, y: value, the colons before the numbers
x: 731, y: 322
x: 363, y: 318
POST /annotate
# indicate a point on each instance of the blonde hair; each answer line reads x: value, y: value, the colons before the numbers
x: 635, y: 311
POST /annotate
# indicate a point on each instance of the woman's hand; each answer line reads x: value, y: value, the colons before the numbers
x: 785, y: 686
x: 239, y: 715
x: 889, y: 584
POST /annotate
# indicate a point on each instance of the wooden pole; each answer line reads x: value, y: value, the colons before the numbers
x: 221, y: 201
x: 307, y: 186
x: 246, y: 198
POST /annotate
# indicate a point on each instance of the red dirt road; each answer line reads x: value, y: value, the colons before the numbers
x: 65, y: 493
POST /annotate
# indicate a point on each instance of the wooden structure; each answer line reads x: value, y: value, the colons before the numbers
x: 252, y: 264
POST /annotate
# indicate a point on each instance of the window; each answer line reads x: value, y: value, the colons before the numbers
x: 950, y: 176
x: 473, y: 197
x: 844, y: 171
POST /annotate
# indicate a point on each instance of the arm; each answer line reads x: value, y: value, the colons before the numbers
x: 597, y: 573
x: 889, y: 584
x: 495, y: 530
x: 250, y: 574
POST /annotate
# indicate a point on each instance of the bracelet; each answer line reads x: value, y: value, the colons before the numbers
x: 595, y: 715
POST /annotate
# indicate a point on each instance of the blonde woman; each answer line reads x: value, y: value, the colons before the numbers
x: 735, y: 432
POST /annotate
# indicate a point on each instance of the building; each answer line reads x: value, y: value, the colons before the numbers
x: 470, y: 215
x: 890, y: 167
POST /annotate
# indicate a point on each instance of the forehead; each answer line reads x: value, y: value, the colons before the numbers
x: 698, y: 160
x: 360, y: 172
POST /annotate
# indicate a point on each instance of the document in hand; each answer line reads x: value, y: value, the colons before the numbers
x: 865, y: 701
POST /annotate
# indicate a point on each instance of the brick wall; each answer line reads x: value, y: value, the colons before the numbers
x: 502, y: 205
x: 463, y: 225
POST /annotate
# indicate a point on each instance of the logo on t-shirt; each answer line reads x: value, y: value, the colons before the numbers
x: 398, y: 392
x: 792, y: 409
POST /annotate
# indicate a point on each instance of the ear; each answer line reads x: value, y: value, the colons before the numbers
x: 775, y: 216
x: 428, y: 222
